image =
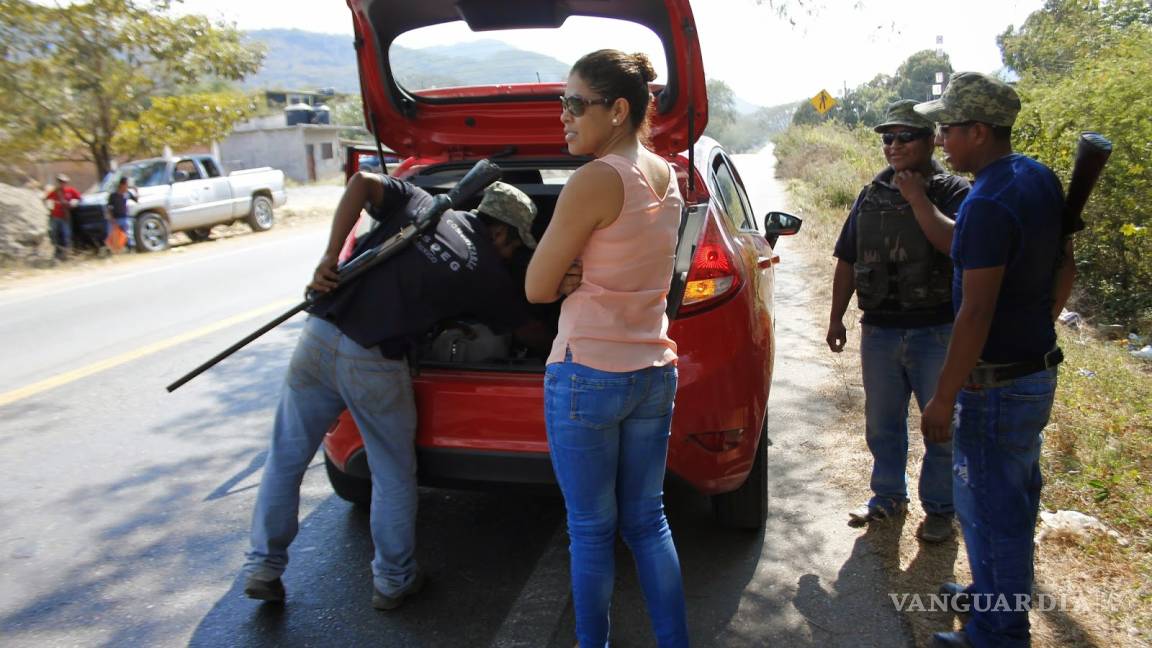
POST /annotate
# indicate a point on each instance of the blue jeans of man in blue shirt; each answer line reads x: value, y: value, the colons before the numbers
x: 608, y: 438
x: 996, y: 461
x: 898, y: 363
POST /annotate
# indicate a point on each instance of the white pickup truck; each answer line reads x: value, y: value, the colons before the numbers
x: 189, y: 194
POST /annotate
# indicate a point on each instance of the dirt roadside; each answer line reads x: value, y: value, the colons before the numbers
x: 307, y: 206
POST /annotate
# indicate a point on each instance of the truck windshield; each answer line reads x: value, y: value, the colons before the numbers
x: 140, y: 174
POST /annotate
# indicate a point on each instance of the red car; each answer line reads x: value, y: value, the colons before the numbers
x: 481, y: 415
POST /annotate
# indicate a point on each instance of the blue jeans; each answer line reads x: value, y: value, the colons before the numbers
x: 997, y: 489
x: 608, y: 438
x: 328, y: 373
x: 125, y: 225
x: 897, y: 363
x: 61, y: 233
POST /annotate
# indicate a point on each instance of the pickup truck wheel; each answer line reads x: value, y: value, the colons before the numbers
x: 151, y: 233
x: 747, y: 506
x: 353, y: 489
x: 199, y: 234
x: 260, y: 218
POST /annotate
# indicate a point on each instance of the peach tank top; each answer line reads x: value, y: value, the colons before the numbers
x: 615, y: 320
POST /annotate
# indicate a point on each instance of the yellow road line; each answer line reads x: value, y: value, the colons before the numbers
x: 96, y: 367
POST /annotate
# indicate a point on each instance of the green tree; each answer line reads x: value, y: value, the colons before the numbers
x: 916, y: 75
x: 182, y: 121
x: 1053, y: 39
x: 1085, y: 65
x: 866, y: 103
x: 722, y: 115
x: 72, y: 76
x: 1106, y: 91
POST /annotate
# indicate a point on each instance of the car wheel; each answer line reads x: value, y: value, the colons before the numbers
x: 199, y: 234
x: 260, y: 218
x: 747, y: 506
x: 353, y: 489
x: 151, y: 233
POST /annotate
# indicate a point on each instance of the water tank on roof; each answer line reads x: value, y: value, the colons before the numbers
x: 298, y: 113
x: 323, y: 115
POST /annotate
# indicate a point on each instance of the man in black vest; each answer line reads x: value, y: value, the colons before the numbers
x: 893, y: 253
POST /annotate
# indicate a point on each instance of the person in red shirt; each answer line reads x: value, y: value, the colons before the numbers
x: 61, y: 200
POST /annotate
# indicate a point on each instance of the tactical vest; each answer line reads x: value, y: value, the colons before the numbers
x: 897, y: 269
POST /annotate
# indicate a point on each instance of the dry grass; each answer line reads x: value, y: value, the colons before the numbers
x: 1097, y: 455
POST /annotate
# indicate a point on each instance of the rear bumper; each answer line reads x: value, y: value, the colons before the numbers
x: 480, y: 426
x: 466, y: 467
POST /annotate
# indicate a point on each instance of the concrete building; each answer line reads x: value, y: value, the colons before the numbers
x: 305, y: 152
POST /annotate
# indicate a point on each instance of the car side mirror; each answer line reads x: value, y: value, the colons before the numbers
x: 777, y: 224
x: 179, y: 175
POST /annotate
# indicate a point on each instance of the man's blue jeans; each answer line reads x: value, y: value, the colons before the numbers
x: 608, y: 437
x: 61, y: 233
x: 897, y: 363
x: 329, y: 372
x: 997, y: 488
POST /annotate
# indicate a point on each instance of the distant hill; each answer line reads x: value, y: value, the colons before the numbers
x: 300, y: 60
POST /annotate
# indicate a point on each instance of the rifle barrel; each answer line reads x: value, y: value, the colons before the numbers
x: 239, y: 345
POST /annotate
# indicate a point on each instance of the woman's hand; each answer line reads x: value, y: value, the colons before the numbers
x: 572, y: 278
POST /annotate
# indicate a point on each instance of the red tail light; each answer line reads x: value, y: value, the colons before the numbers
x: 714, y: 276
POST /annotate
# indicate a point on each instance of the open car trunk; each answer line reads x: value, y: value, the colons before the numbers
x: 470, y: 343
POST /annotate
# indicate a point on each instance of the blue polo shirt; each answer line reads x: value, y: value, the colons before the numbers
x: 1013, y: 217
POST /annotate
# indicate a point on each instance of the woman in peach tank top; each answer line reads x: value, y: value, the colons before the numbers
x: 611, y: 378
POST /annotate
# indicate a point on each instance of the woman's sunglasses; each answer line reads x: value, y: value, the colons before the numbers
x: 904, y: 136
x: 576, y: 105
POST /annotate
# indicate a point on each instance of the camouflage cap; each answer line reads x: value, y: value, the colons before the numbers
x: 972, y: 96
x: 900, y: 113
x: 508, y: 204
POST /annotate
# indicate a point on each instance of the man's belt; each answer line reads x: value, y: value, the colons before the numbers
x: 988, y: 374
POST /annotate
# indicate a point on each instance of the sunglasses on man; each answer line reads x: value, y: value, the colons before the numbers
x: 576, y: 105
x: 904, y: 137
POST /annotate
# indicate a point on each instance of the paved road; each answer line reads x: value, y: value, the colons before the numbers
x: 124, y: 509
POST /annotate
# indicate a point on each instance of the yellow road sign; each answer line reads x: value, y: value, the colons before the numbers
x: 822, y: 102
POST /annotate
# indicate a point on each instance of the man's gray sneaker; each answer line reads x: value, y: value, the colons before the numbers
x: 384, y: 602
x: 936, y: 527
x: 876, y: 512
x: 262, y: 590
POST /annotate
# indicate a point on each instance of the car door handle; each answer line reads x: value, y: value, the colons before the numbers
x: 765, y: 262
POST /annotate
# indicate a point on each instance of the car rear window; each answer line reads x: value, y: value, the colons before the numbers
x: 450, y: 55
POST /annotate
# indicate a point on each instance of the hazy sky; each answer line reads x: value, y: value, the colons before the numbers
x: 763, y: 58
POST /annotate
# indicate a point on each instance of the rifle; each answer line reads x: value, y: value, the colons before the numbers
x: 478, y: 177
x: 1092, y: 153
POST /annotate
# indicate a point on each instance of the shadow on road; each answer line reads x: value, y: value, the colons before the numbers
x: 141, y: 543
x: 477, y: 548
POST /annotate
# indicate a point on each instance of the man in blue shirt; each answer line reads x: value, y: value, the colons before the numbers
x: 1013, y: 273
